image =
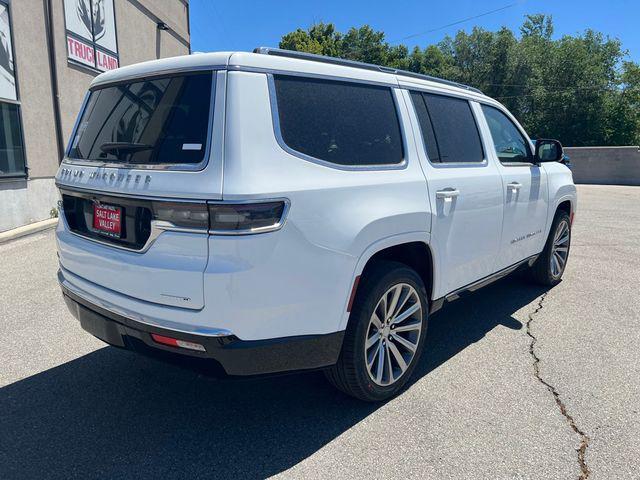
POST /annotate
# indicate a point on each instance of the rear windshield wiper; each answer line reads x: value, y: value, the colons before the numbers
x: 109, y: 147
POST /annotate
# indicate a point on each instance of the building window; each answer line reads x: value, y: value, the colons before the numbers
x: 11, y: 146
x: 12, y: 160
x: 91, y: 33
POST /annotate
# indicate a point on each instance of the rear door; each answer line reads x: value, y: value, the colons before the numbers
x: 464, y: 188
x: 144, y: 159
x: 525, y: 189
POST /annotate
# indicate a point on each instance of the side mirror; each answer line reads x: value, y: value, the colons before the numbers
x: 548, y: 150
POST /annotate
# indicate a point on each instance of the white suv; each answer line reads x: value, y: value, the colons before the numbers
x: 277, y: 211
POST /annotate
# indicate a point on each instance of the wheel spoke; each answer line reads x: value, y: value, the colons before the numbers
x: 402, y: 303
x: 394, y: 301
x: 371, y: 341
x: 376, y: 321
x: 390, y: 378
x: 374, y: 355
x: 407, y: 327
x: 398, y: 356
x: 555, y: 268
x: 406, y: 314
x: 560, y: 232
x: 380, y: 363
x: 405, y: 343
x: 562, y: 249
x: 559, y: 259
x: 383, y: 308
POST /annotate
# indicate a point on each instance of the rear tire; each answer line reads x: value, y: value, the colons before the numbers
x: 385, y: 334
x: 550, y: 265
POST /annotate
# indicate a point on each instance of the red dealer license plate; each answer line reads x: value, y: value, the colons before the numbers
x: 106, y: 220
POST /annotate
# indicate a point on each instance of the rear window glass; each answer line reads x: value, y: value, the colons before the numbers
x: 456, y: 133
x: 338, y: 122
x: 154, y: 121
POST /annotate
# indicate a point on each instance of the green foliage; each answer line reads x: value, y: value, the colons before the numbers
x: 577, y: 88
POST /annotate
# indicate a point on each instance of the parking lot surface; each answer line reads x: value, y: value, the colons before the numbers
x: 516, y: 382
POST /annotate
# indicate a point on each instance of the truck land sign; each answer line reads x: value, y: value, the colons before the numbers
x: 7, y: 74
x: 91, y: 33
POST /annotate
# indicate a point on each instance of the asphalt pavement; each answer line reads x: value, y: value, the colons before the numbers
x: 516, y: 382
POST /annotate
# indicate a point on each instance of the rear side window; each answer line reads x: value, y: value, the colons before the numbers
x: 449, y: 129
x: 153, y: 121
x: 426, y: 126
x: 342, y: 123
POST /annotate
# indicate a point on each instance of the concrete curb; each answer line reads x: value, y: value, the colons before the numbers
x: 27, y: 229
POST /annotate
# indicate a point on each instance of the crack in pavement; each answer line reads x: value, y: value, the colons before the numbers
x: 584, y: 438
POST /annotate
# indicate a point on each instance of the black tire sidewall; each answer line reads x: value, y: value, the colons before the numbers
x: 379, y: 281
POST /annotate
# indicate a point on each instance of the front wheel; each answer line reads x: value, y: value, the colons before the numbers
x: 549, y: 267
x: 385, y: 335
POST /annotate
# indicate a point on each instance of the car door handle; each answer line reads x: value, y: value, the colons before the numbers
x: 515, y: 186
x: 448, y: 193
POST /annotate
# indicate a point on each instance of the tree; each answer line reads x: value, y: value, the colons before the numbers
x: 576, y: 88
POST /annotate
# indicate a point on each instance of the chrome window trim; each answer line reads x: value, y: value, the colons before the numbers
x: 485, y: 160
x: 183, y: 167
x: 254, y: 231
x: 275, y: 118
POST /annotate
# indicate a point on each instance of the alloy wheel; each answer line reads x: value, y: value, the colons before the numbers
x: 560, y: 249
x: 393, y: 334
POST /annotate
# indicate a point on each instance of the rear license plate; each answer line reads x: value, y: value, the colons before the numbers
x: 107, y: 220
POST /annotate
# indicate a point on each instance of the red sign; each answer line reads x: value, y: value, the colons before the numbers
x: 106, y: 219
x: 105, y: 62
x: 80, y: 51
x: 85, y: 53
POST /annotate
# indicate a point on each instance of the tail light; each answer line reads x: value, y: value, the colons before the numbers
x: 223, y: 218
x: 182, y: 214
x: 246, y: 218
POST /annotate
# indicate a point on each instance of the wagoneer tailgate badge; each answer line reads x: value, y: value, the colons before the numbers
x: 113, y: 178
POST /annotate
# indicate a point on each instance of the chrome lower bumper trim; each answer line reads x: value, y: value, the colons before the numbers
x: 205, y: 331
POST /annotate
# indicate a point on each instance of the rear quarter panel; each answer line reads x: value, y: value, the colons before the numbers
x: 297, y: 280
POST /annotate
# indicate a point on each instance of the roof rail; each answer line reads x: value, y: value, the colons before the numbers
x: 352, y: 63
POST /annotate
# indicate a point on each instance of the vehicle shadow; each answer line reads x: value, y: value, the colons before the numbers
x: 112, y: 414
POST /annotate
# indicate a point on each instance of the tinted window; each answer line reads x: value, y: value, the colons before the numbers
x: 510, y: 144
x: 159, y: 121
x: 455, y: 129
x: 11, y: 146
x: 426, y: 126
x: 341, y: 123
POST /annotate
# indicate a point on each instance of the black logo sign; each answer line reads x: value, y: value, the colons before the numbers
x: 92, y: 15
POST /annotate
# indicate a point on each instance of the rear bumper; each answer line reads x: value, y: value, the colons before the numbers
x: 235, y: 356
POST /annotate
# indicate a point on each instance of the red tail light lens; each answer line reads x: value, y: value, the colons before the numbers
x: 174, y: 342
x: 246, y: 218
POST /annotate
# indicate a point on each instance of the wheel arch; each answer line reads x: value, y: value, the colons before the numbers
x: 413, y: 250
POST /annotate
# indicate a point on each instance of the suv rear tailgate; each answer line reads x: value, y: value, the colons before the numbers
x: 170, y: 272
x: 148, y: 259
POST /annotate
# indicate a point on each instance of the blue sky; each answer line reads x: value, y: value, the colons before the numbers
x: 243, y: 25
